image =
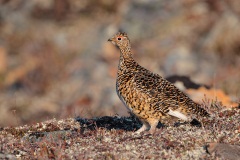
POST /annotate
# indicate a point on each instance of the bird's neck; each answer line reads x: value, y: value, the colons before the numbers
x: 126, y: 59
x: 125, y: 52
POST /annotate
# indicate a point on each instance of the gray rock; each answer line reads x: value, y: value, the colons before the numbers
x: 180, y: 62
x: 7, y: 156
x: 225, y: 151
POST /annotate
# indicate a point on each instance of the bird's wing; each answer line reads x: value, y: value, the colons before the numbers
x: 164, y: 94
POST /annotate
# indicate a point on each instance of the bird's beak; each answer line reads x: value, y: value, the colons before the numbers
x: 109, y: 39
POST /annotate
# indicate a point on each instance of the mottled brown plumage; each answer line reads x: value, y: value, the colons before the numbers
x: 147, y: 95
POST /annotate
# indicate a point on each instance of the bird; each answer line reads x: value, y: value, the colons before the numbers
x: 147, y: 95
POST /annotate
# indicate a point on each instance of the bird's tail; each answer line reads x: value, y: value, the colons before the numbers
x: 199, y: 110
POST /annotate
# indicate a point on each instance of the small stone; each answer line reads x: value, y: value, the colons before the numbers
x: 128, y: 147
x: 225, y: 151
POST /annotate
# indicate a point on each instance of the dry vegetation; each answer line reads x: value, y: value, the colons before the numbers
x: 112, y: 138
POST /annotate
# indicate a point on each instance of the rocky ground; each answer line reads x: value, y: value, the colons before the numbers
x: 113, y: 138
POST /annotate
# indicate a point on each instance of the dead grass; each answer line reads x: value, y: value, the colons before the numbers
x: 112, y: 138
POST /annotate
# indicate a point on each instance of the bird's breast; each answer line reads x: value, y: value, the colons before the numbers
x: 123, y: 93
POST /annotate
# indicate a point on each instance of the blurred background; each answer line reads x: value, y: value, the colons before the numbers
x: 55, y: 61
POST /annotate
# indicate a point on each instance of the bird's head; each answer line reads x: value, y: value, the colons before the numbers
x: 121, y: 40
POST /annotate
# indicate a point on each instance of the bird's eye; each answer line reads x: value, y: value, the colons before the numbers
x: 119, y: 38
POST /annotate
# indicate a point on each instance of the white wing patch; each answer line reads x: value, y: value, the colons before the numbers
x: 178, y: 115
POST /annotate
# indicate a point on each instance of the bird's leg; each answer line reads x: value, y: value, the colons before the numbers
x: 153, y: 123
x: 144, y: 127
